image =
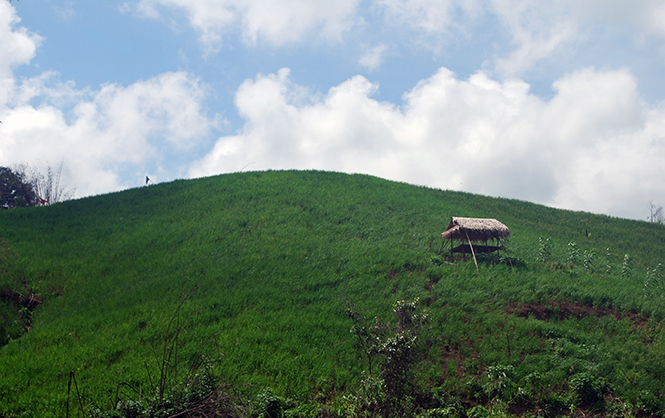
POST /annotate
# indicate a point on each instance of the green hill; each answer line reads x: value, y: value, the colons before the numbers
x: 254, y: 274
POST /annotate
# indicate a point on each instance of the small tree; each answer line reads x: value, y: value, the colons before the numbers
x: 608, y: 261
x: 626, y: 266
x: 395, y: 349
x: 655, y: 213
x: 573, y: 254
x: 544, y: 249
x: 48, y: 185
x: 589, y: 259
x: 653, y: 282
x: 16, y: 190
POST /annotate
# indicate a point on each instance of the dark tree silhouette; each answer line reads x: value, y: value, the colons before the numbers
x: 16, y: 190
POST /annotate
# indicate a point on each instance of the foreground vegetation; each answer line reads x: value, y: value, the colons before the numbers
x: 241, y: 291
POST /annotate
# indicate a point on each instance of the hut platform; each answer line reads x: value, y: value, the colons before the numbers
x: 466, y: 249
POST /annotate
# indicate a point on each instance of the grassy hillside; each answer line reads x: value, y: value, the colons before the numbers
x: 256, y: 272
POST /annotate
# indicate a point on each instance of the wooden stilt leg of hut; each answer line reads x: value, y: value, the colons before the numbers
x: 508, y: 256
x: 472, y: 252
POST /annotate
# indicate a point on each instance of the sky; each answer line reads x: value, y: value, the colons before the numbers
x: 558, y: 103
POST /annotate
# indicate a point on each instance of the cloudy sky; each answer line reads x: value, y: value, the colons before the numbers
x: 560, y: 103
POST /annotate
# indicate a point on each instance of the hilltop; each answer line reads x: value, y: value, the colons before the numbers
x: 260, y: 277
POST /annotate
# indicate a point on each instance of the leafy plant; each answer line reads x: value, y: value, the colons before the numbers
x: 586, y: 388
x: 397, y: 350
x: 626, y: 266
x: 499, y: 382
x: 653, y: 282
x: 589, y: 259
x: 271, y: 405
x: 544, y: 250
x: 608, y: 261
x: 573, y: 254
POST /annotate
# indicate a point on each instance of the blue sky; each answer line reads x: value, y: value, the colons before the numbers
x: 559, y: 103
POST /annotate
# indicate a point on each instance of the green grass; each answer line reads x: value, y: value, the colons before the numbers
x: 267, y: 263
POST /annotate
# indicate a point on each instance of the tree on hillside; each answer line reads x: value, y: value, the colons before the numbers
x: 16, y: 190
x: 48, y: 185
x: 23, y: 186
x: 656, y: 213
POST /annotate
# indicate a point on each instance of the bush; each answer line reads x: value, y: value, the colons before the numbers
x: 585, y: 388
x: 396, y: 350
x: 16, y: 191
x: 589, y: 259
x: 544, y: 250
x: 573, y: 254
x: 499, y: 382
x: 271, y: 405
x: 626, y: 266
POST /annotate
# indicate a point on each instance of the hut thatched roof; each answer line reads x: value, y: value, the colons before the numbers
x: 477, y: 229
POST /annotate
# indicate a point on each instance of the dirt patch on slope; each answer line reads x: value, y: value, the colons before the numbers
x: 29, y: 301
x: 560, y: 310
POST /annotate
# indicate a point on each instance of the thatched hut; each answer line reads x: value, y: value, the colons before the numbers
x: 468, y: 230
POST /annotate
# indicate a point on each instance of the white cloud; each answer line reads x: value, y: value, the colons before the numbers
x: 542, y: 29
x: 538, y: 29
x: 429, y: 16
x: 100, y: 134
x: 106, y: 131
x: 645, y: 16
x: 275, y: 22
x: 594, y: 146
x: 373, y: 58
x: 17, y: 46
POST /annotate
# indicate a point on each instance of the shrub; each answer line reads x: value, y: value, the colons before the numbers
x: 626, y: 266
x: 553, y: 404
x: 589, y: 259
x: 447, y: 412
x: 544, y: 250
x: 309, y: 410
x: 16, y: 190
x: 573, y: 254
x: 398, y: 351
x: 653, y: 282
x: 647, y: 402
x: 499, y: 382
x: 608, y: 263
x: 271, y: 405
x: 585, y: 388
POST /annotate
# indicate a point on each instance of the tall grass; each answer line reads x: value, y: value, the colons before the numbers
x: 272, y: 260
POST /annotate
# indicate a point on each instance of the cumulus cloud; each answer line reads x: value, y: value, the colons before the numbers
x: 17, y: 45
x: 594, y: 146
x: 275, y: 22
x: 100, y: 134
x: 106, y: 131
